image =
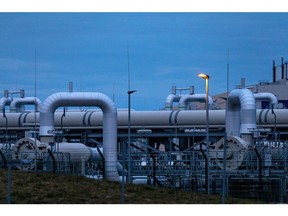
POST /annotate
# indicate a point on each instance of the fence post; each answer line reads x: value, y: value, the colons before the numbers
x: 260, y: 171
x: 206, y: 169
x: 4, y: 158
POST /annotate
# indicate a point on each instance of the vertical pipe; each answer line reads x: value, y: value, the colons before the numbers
x: 286, y: 70
x: 63, y: 115
x: 282, y: 67
x: 70, y: 86
x: 6, y: 125
x: 274, y: 71
x: 240, y: 112
x: 242, y: 83
x: 228, y: 72
x: 6, y: 93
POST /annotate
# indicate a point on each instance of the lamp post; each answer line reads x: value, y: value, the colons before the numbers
x: 129, y: 134
x: 206, y: 77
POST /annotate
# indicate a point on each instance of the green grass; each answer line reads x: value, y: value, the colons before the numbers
x: 47, y: 188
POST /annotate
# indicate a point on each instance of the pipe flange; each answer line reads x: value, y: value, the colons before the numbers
x: 235, y: 152
x: 28, y: 150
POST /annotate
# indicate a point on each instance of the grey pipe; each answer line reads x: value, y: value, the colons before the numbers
x: 267, y: 96
x: 107, y: 106
x: 4, y: 101
x: 170, y: 99
x: 95, y: 156
x: 240, y: 113
x: 17, y: 104
x: 150, y: 119
x: 195, y: 97
x: 143, y: 119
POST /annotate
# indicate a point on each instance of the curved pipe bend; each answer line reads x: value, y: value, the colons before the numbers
x: 100, y: 100
x: 191, y: 98
x: 4, y: 101
x: 240, y: 113
x: 17, y: 103
x: 170, y: 99
x: 267, y: 96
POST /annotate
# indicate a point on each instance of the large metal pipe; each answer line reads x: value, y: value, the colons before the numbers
x: 80, y: 119
x: 171, y: 98
x: 100, y: 100
x: 150, y: 119
x: 267, y: 96
x: 191, y: 98
x: 274, y: 71
x: 17, y: 104
x: 282, y: 68
x: 4, y: 101
x: 240, y: 113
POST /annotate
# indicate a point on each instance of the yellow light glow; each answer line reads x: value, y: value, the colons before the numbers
x: 204, y: 76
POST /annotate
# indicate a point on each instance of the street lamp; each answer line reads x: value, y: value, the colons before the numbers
x: 129, y: 149
x: 129, y: 134
x: 206, y: 77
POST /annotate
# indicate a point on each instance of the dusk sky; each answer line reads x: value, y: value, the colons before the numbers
x: 165, y: 50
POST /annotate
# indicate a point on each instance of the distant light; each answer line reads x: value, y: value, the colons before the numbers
x: 204, y: 76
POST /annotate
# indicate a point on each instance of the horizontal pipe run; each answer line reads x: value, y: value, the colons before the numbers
x: 156, y: 119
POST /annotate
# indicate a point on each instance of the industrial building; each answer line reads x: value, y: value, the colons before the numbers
x: 243, y: 152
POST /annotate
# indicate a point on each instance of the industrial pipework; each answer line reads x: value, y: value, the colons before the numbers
x: 240, y: 113
x: 267, y: 96
x: 171, y: 98
x: 4, y: 101
x: 16, y: 104
x: 240, y: 122
x: 190, y: 98
x: 148, y: 119
x: 176, y: 98
x: 107, y: 106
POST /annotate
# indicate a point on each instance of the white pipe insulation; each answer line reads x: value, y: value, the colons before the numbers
x: 100, y: 100
x: 151, y: 119
x: 16, y: 104
x: 4, y: 101
x: 171, y: 98
x: 267, y: 96
x: 144, y: 119
x: 191, y: 98
x: 240, y: 112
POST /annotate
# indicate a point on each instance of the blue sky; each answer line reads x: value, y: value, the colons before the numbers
x: 165, y: 50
